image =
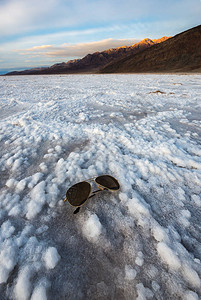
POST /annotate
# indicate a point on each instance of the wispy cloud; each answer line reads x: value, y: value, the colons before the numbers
x: 36, y: 48
x: 76, y: 50
x: 23, y: 16
x: 57, y: 38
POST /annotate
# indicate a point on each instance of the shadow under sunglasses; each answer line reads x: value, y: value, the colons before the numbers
x: 80, y: 192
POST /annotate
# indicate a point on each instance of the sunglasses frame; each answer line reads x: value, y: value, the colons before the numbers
x: 92, y: 194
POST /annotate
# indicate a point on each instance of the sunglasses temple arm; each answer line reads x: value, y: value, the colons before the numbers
x: 77, y: 210
x: 94, y: 193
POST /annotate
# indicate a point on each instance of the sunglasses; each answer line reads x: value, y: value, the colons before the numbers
x: 80, y: 192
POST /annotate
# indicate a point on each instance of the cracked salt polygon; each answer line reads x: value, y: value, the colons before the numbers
x: 42, y: 229
x: 37, y: 200
x: 11, y: 182
x: 21, y: 185
x: 92, y: 228
x: 143, y: 292
x: 8, y: 259
x: 183, y: 217
x: 32, y: 250
x: 155, y: 286
x: 159, y: 233
x: 9, y: 162
x: 43, y: 167
x: 197, y: 200
x: 123, y: 197
x: 10, y: 200
x: 23, y: 237
x: 39, y: 293
x: 83, y: 117
x: 168, y: 256
x: 139, y: 261
x: 58, y: 148
x: 136, y: 207
x: 6, y: 230
x: 50, y: 150
x: 22, y: 289
x: 34, y: 179
x: 51, y: 258
x: 190, y: 295
x: 130, y: 273
x: 191, y: 276
x: 17, y: 163
x: 15, y: 210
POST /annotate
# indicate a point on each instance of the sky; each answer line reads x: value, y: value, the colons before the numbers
x: 35, y: 33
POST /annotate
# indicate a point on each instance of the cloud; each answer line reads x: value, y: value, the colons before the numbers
x: 22, y: 16
x: 18, y: 16
x: 59, y: 38
x: 77, y: 50
x: 42, y: 47
x: 28, y: 16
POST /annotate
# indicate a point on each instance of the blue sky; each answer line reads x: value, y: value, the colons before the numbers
x: 40, y: 33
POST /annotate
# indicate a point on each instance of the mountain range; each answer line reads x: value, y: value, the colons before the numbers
x: 181, y: 53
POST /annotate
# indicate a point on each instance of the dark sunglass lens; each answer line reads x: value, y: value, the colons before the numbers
x: 108, y: 182
x: 78, y: 193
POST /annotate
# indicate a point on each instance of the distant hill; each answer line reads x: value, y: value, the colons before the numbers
x: 181, y: 53
x: 92, y: 63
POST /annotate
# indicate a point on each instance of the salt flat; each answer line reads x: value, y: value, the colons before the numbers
x: 142, y: 242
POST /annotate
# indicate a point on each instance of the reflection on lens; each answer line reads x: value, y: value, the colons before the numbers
x: 108, y: 182
x: 78, y: 193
